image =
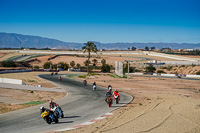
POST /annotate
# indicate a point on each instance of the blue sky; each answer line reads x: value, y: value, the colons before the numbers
x: 104, y: 20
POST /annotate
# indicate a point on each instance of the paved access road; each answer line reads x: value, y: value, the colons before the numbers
x: 81, y: 104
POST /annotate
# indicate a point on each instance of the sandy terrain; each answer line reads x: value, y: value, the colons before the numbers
x: 159, y: 106
x: 30, y: 78
x: 14, y: 99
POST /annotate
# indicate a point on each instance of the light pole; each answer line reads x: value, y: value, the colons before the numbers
x: 128, y: 66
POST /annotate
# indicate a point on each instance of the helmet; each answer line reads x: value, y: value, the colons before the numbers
x: 115, y: 89
x: 51, y: 102
x: 42, y: 107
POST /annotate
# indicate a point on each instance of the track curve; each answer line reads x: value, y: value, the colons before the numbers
x: 80, y: 105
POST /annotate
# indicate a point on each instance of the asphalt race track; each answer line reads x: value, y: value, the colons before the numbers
x: 81, y: 104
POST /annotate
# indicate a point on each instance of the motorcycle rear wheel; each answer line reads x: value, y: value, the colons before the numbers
x: 56, y: 119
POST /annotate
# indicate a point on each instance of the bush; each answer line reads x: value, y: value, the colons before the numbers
x: 8, y: 64
x: 63, y: 65
x: 169, y: 68
x: 150, y: 68
x: 105, y: 68
x: 198, y: 73
x: 36, y: 67
x: 47, y: 65
x: 160, y: 71
x: 131, y: 69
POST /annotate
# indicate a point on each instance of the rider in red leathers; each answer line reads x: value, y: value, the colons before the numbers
x: 116, y: 93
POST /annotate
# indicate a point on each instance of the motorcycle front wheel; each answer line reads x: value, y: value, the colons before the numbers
x: 48, y: 120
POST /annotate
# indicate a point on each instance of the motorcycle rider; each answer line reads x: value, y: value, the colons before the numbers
x: 52, y: 105
x: 60, y: 78
x: 42, y: 109
x: 110, y: 88
x: 85, y: 82
x: 108, y: 94
x: 116, y: 93
x: 94, y: 86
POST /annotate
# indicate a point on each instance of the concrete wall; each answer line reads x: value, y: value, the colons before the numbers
x: 119, y: 68
x: 11, y: 81
x: 193, y: 76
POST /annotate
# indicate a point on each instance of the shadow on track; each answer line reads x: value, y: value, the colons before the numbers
x: 71, y: 117
x: 64, y: 122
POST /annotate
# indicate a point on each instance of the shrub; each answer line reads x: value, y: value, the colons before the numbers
x: 169, y: 68
x: 105, y: 68
x: 47, y: 65
x: 150, y: 68
x: 160, y: 71
x: 8, y: 63
x: 198, y: 73
x: 36, y: 67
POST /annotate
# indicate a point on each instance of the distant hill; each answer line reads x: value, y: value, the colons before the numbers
x: 12, y: 40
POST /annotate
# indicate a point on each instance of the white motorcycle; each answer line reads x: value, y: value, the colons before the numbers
x: 94, y: 87
x: 57, y: 112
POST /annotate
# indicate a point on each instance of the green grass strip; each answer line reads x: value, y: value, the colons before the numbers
x: 114, y: 75
x: 34, y: 103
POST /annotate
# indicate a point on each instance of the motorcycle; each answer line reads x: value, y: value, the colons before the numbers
x: 49, y: 117
x: 109, y: 101
x: 85, y: 82
x: 116, y: 97
x: 94, y: 87
x: 60, y: 79
x: 57, y: 112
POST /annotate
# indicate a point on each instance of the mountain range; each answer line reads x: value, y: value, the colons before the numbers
x: 13, y: 40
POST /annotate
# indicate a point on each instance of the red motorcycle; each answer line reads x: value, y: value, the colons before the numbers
x: 109, y: 101
x: 116, y: 97
x: 60, y: 79
x: 85, y: 82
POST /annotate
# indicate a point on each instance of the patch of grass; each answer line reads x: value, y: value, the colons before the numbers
x: 31, y: 80
x: 82, y: 76
x: 95, y: 74
x: 69, y: 76
x: 34, y: 103
x: 114, y: 75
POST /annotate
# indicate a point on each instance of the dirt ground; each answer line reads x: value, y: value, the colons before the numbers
x: 159, y: 106
x: 11, y: 99
x: 14, y: 99
x: 30, y: 78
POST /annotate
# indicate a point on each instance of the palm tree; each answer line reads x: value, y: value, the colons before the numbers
x: 89, y: 47
x: 72, y: 63
x: 78, y: 65
x: 103, y: 61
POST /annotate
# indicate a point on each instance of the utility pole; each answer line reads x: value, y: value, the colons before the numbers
x: 128, y: 66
